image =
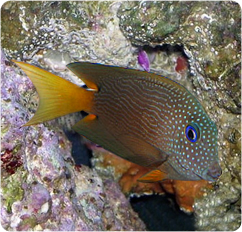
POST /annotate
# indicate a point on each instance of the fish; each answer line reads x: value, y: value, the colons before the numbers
x: 140, y: 116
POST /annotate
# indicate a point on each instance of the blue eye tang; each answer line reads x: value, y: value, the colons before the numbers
x: 192, y: 132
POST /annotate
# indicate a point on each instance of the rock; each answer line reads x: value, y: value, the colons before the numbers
x: 209, y: 33
x: 83, y: 30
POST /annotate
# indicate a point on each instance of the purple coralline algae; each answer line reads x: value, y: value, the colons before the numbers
x: 143, y: 60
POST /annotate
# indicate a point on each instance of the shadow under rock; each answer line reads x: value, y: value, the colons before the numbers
x: 161, y: 213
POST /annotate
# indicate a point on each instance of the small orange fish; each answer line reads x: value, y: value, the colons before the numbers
x: 142, y: 117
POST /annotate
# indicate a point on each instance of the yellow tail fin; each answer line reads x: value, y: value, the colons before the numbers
x: 57, y: 95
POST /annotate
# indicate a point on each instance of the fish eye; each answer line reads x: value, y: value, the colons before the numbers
x: 192, y: 132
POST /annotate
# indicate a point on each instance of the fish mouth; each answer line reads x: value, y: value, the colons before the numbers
x: 208, y: 174
x: 213, y: 172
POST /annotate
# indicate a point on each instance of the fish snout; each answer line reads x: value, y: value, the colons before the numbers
x: 213, y: 172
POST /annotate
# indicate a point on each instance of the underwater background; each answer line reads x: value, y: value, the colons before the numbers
x: 52, y: 178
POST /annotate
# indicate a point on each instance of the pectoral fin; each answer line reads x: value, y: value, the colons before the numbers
x: 153, y: 176
x: 150, y: 155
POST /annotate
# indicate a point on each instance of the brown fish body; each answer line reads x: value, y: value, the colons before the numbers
x: 134, y: 108
x: 142, y: 117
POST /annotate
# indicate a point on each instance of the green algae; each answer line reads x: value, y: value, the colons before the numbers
x: 162, y: 18
x: 151, y: 21
x: 12, y: 188
x: 28, y: 223
x: 10, y: 23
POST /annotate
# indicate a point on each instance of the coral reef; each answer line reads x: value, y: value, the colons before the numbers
x: 199, y: 47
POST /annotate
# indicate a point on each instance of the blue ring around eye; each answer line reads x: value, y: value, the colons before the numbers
x: 192, y: 132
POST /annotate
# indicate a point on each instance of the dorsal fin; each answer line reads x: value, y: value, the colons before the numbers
x: 93, y: 74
